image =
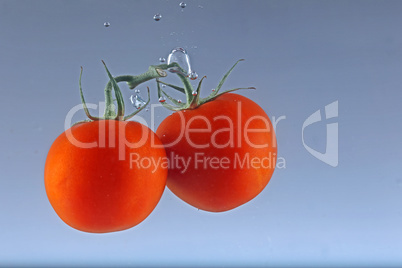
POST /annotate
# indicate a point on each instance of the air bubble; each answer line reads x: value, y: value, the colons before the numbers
x: 137, y: 91
x: 183, y: 5
x: 213, y: 90
x: 163, y: 85
x: 180, y: 56
x: 106, y: 24
x: 194, y: 93
x: 193, y: 75
x: 162, y: 99
x: 179, y: 101
x: 157, y: 17
x: 137, y: 101
x: 162, y: 60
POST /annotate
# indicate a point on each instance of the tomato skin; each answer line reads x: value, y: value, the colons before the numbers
x: 91, y: 189
x: 218, y: 189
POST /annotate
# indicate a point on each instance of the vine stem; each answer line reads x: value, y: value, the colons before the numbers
x: 193, y: 97
x: 132, y: 81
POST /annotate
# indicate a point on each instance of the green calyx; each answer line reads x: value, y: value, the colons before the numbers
x: 193, y: 99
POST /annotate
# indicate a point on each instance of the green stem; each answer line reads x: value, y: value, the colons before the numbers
x: 132, y: 81
x: 110, y: 112
x: 84, y: 104
x: 152, y: 73
x: 188, y: 88
x: 193, y: 101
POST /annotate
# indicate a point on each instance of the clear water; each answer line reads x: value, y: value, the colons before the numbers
x: 300, y: 55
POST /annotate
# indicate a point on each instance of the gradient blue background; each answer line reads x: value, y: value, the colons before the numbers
x: 300, y: 55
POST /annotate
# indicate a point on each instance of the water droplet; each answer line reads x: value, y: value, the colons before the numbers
x: 194, y: 93
x: 162, y: 59
x: 137, y: 101
x: 193, y: 75
x: 179, y: 101
x: 137, y: 91
x: 162, y: 99
x: 180, y: 56
x: 106, y: 24
x: 183, y: 5
x: 157, y: 17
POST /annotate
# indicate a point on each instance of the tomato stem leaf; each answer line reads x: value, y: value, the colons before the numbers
x: 172, y: 86
x: 110, y: 110
x: 180, y: 106
x: 225, y: 77
x: 83, y: 101
x: 195, y: 102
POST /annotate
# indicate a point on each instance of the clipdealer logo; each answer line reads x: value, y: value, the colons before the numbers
x: 330, y: 156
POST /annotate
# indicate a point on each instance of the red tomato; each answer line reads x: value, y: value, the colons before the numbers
x: 230, y: 146
x: 99, y: 189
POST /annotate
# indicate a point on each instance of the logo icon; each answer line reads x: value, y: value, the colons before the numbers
x: 330, y: 156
